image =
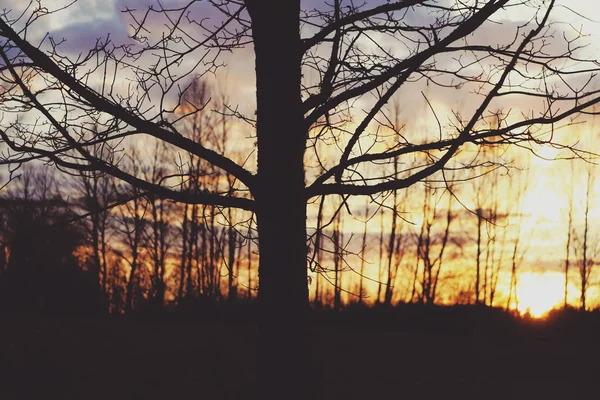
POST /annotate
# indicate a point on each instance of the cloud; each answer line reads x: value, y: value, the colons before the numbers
x: 81, y: 37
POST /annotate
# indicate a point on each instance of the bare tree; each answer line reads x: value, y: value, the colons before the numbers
x: 518, y: 242
x: 489, y: 221
x: 586, y: 246
x: 333, y: 47
x: 432, y: 242
x: 159, y: 238
x: 132, y: 228
x: 97, y: 196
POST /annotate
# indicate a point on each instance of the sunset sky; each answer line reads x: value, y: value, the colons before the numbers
x: 544, y: 204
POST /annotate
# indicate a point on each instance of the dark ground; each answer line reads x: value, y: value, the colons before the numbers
x: 445, y: 354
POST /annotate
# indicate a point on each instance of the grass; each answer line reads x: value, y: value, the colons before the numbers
x: 410, y: 352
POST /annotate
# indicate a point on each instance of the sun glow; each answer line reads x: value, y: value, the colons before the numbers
x: 539, y: 293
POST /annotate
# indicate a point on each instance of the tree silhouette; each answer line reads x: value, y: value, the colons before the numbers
x: 311, y: 68
x: 43, y: 273
x: 432, y: 243
x: 570, y: 196
x: 96, y: 195
x: 586, y: 247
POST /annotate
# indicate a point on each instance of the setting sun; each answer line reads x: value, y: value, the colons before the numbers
x: 539, y: 293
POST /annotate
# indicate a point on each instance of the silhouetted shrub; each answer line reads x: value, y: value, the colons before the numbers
x: 42, y: 273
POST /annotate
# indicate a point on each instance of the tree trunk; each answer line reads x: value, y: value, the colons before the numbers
x: 389, y: 286
x: 337, y: 262
x: 129, y: 306
x: 319, y: 256
x: 380, y: 270
x: 478, y: 260
x: 585, y: 264
x: 249, y: 255
x: 363, y: 255
x: 283, y: 354
x: 192, y: 251
x: 569, y: 231
x: 231, y: 247
x: 184, y: 243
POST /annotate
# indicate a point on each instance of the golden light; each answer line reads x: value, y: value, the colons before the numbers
x: 538, y: 293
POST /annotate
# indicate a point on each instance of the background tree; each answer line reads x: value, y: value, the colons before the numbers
x: 586, y: 246
x: 568, y: 245
x: 432, y: 242
x: 43, y: 273
x: 518, y: 244
x: 97, y: 195
x: 132, y: 228
x: 159, y: 233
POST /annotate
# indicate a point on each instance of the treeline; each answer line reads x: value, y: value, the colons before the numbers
x: 89, y: 241
x: 106, y: 247
x: 128, y: 250
x: 455, y: 239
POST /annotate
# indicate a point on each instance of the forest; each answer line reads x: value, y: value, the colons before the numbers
x: 88, y: 243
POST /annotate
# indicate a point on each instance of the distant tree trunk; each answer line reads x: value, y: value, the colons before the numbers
x: 512, y: 290
x: 337, y: 261
x: 192, y: 252
x: 212, y: 255
x: 132, y: 219
x: 478, y: 259
x: 249, y: 261
x: 586, y: 264
x: 490, y: 258
x: 568, y: 246
x: 363, y: 255
x: 238, y: 265
x: 129, y: 301
x: 97, y: 195
x: 504, y: 243
x: 317, y: 299
x: 231, y: 245
x: 319, y: 256
x: 389, y: 287
x: 103, y: 252
x: 279, y: 192
x: 424, y: 247
x: 516, y: 258
x: 203, y: 270
x: 158, y: 247
x: 439, y: 261
x: 129, y: 306
x: 380, y: 269
x: 413, y: 292
x: 423, y: 255
x: 486, y: 263
x: 393, y: 259
x: 184, y: 256
x: 568, y: 243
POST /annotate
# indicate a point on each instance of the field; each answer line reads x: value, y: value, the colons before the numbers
x: 168, y: 358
